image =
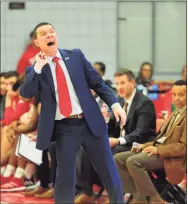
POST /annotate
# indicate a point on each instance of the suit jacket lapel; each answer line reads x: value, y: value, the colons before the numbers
x: 178, y: 121
x: 70, y: 66
x: 163, y: 128
x: 165, y: 125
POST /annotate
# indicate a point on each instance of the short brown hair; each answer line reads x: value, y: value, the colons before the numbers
x: 39, y: 25
x: 130, y: 75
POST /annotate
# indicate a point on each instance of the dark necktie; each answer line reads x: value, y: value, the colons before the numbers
x: 122, y: 132
x: 125, y: 107
x: 65, y: 105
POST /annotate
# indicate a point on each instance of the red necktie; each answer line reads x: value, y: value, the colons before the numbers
x: 62, y: 89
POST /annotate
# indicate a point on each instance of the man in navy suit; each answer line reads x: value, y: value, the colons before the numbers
x: 70, y: 114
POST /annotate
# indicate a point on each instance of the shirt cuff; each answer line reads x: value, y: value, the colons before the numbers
x: 122, y: 141
x: 37, y: 71
x: 115, y: 105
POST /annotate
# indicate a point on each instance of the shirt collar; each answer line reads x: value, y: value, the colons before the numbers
x: 57, y: 55
x: 129, y: 101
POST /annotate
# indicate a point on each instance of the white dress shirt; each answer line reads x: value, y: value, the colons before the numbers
x: 76, y: 107
x: 122, y: 140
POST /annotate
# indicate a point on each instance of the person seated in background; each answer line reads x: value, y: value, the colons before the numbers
x: 12, y: 172
x: 145, y: 74
x: 28, y: 57
x: 15, y: 107
x: 101, y: 69
x: 7, y: 81
x: 140, y: 127
x: 167, y: 151
x: 184, y: 73
x: 11, y: 77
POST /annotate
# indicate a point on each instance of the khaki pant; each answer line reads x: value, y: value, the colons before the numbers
x: 133, y: 170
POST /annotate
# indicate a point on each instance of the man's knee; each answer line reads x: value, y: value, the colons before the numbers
x: 119, y: 160
x: 130, y: 162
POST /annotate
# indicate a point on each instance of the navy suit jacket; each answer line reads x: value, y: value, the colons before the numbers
x: 84, y: 77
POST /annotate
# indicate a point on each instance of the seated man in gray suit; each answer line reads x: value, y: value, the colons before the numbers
x: 140, y: 127
x: 167, y: 151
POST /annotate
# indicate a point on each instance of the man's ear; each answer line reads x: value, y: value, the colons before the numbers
x: 133, y: 83
x: 36, y: 43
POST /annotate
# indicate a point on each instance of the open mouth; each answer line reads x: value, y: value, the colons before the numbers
x: 50, y: 44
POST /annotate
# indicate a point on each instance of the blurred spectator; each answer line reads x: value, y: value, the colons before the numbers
x: 28, y: 57
x: 15, y: 107
x: 184, y: 73
x: 101, y: 69
x: 145, y: 74
x: 12, y: 178
x: 7, y: 80
x: 11, y: 78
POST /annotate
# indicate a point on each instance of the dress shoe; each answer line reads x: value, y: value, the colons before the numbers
x: 38, y: 190
x: 134, y: 201
x: 84, y: 199
x: 47, y: 194
x: 157, y: 202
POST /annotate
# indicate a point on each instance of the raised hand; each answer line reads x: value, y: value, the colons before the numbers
x: 120, y: 114
x: 41, y: 60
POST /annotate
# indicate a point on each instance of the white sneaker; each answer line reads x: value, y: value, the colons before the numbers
x: 31, y: 187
